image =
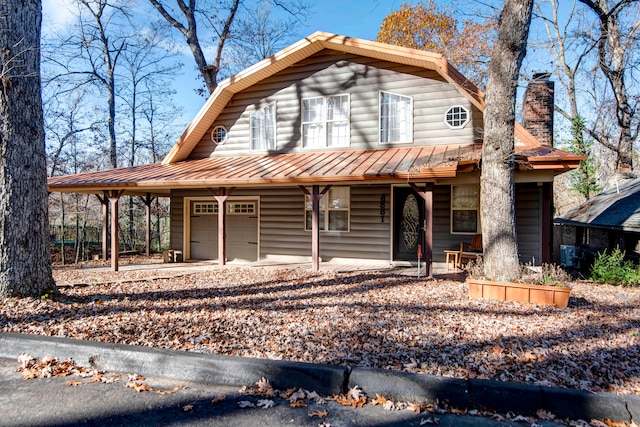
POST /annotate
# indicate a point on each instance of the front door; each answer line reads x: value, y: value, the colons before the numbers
x: 408, y: 224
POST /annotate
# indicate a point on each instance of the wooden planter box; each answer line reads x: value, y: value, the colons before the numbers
x: 506, y: 291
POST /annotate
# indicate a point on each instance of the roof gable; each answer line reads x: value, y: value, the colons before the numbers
x: 302, y: 50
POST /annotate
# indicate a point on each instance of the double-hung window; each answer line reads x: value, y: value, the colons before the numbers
x: 263, y: 128
x: 465, y: 203
x: 325, y: 121
x: 334, y: 210
x: 396, y: 118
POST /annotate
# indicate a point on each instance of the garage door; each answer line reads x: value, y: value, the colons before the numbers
x: 242, y: 230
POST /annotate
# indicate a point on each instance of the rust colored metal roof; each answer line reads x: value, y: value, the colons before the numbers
x: 392, y: 164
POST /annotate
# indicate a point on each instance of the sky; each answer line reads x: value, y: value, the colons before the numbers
x: 353, y: 18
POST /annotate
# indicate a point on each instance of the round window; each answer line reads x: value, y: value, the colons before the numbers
x: 457, y: 117
x: 219, y: 135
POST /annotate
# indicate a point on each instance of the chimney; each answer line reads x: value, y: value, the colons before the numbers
x: 537, y: 108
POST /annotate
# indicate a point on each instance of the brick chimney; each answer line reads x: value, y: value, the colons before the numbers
x: 537, y: 108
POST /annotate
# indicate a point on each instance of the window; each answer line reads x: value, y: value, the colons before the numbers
x: 263, y: 128
x: 396, y: 118
x: 464, y: 209
x: 334, y: 210
x: 241, y: 208
x: 325, y: 121
x: 205, y: 208
x: 457, y: 117
x: 219, y: 135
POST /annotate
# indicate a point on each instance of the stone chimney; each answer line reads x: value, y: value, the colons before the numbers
x: 537, y: 108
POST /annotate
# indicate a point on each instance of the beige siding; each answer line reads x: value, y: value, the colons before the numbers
x: 529, y: 221
x: 330, y: 73
x: 282, y: 224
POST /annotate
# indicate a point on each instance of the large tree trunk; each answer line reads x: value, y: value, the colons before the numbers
x: 25, y: 260
x: 497, y: 195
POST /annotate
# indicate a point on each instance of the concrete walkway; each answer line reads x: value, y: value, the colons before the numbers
x: 209, y: 375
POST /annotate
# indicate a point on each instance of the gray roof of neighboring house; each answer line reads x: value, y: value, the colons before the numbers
x: 617, y: 208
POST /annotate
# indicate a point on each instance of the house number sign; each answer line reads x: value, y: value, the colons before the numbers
x: 383, y: 205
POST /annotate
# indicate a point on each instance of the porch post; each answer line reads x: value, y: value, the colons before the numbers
x: 147, y: 238
x: 427, y: 195
x: 547, y: 220
x: 114, y: 196
x: 105, y: 223
x: 221, y: 197
x: 315, y: 195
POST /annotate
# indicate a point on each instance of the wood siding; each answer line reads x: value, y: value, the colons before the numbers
x: 333, y: 73
x: 282, y: 232
x: 282, y: 223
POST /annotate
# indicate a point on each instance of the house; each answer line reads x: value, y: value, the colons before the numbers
x: 337, y: 149
x: 606, y: 221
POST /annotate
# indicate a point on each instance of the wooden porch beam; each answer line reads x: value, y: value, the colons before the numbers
x: 316, y: 195
x: 114, y: 197
x: 221, y: 195
x: 104, y: 201
x: 427, y: 195
x: 147, y: 200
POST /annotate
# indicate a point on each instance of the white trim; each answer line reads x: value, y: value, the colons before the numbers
x: 462, y: 107
x: 214, y: 135
x: 186, y: 220
x: 451, y: 209
x: 275, y: 128
x: 410, y: 131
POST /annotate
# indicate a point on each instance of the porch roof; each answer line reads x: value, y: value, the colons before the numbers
x: 347, y: 166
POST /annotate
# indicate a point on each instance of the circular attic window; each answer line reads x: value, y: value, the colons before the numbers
x: 219, y: 135
x: 457, y: 117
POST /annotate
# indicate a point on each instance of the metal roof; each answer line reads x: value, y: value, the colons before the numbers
x: 617, y: 208
x: 345, y: 166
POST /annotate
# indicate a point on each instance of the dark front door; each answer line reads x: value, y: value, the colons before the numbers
x: 408, y: 224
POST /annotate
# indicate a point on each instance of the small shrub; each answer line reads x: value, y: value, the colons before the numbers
x: 612, y: 268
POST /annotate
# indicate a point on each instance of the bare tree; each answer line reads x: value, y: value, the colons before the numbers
x: 24, y: 225
x: 497, y: 194
x: 193, y: 19
x: 616, y: 37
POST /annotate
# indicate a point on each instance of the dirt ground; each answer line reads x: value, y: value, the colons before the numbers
x: 378, y: 319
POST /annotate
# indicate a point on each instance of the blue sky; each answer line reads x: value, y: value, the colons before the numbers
x: 354, y: 18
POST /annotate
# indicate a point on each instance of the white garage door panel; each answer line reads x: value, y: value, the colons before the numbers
x: 204, y: 237
x: 242, y: 237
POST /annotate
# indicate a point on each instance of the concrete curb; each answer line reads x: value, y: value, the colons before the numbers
x: 499, y: 396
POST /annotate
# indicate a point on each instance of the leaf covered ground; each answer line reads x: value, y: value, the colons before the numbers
x: 376, y: 319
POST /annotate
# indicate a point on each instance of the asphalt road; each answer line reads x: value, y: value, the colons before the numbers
x: 53, y: 402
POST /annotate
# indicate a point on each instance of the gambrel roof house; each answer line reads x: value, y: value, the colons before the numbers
x: 337, y: 148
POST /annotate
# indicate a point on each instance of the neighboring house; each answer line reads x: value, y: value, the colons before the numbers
x: 606, y: 221
x: 340, y: 149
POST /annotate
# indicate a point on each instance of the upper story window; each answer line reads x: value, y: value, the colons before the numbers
x: 334, y: 210
x: 219, y: 135
x: 465, y: 204
x: 396, y: 118
x: 457, y: 117
x: 263, y: 128
x: 325, y: 121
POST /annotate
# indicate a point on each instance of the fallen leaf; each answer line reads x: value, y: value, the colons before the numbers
x: 545, y: 415
x: 415, y: 407
x: 246, y: 404
x: 74, y: 383
x: 318, y: 413
x: 187, y: 408
x: 218, y: 399
x: 379, y: 400
x: 430, y: 420
x: 139, y: 387
x: 297, y: 404
x: 265, y: 403
x: 265, y: 388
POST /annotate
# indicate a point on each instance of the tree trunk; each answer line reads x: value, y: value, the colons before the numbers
x: 25, y: 255
x: 497, y: 195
